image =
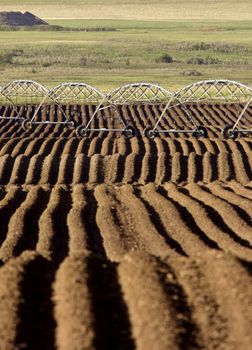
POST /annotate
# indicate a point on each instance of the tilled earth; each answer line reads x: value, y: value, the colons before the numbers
x: 115, y: 243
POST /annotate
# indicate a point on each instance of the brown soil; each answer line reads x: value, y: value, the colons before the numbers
x: 111, y: 243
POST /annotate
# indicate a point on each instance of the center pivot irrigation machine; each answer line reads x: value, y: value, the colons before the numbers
x: 206, y: 91
x: 242, y: 94
x: 64, y: 95
x: 29, y: 103
x: 21, y: 96
x: 130, y: 94
x: 26, y: 98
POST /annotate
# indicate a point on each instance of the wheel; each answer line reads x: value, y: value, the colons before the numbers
x: 149, y: 132
x: 229, y: 132
x: 26, y: 124
x: 201, y: 131
x: 129, y: 131
x: 71, y: 124
x: 81, y: 131
x: 20, y: 121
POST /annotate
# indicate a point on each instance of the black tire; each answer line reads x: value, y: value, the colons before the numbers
x: 81, y: 131
x: 26, y: 124
x: 201, y: 131
x: 71, y: 124
x: 229, y: 132
x: 149, y: 133
x: 129, y: 131
x: 20, y: 121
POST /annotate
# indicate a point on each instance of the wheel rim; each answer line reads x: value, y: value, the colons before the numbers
x: 128, y: 132
x: 201, y: 132
x: 81, y: 131
x: 148, y: 132
x: 70, y: 124
x: 27, y: 124
x: 230, y: 133
x: 151, y: 134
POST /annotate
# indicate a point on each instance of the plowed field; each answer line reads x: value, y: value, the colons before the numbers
x: 115, y: 243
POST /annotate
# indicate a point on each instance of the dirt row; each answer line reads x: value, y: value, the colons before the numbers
x: 115, y: 243
x: 108, y: 144
x: 160, y: 220
x: 77, y: 263
x: 133, y: 169
x: 213, y: 116
x: 86, y: 302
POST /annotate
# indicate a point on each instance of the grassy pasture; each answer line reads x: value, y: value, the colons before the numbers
x: 169, y: 52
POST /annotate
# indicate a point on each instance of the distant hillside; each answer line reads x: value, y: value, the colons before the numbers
x: 20, y: 19
x: 154, y: 10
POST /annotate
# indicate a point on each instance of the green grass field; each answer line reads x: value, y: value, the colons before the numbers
x: 171, y: 52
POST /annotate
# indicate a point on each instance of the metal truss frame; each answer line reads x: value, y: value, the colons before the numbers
x: 30, y: 92
x: 133, y: 93
x: 138, y: 93
x: 205, y: 91
x: 22, y: 92
x: 76, y: 93
x: 67, y: 93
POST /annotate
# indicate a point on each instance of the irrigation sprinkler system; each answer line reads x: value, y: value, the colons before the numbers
x: 18, y: 93
x: 205, y: 91
x: 129, y: 94
x: 27, y: 97
x: 63, y: 95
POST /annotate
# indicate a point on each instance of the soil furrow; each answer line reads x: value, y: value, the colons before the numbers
x: 161, y: 303
x: 22, y: 228
x: 207, y: 223
x: 112, y: 222
x: 209, y: 284
x: 26, y: 320
x: 76, y: 221
x: 109, y: 242
x: 53, y: 231
x: 243, y: 207
x: 225, y: 211
x: 240, y: 189
x: 167, y: 213
x: 154, y: 240
x: 8, y: 206
x: 75, y: 325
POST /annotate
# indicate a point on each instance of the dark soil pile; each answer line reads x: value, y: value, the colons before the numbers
x: 20, y: 19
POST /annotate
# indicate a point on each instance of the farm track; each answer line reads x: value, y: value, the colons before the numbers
x: 111, y: 243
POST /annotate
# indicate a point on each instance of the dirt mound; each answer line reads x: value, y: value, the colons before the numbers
x: 20, y: 19
x: 115, y: 243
